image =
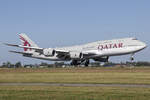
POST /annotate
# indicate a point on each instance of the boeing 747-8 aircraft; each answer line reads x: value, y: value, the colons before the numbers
x: 79, y: 54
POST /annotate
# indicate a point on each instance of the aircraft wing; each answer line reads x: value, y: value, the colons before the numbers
x: 60, y: 53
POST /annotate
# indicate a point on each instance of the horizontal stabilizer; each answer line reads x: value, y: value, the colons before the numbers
x: 21, y: 52
x: 20, y: 46
x: 13, y: 45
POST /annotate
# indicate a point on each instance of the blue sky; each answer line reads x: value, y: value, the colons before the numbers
x: 56, y: 23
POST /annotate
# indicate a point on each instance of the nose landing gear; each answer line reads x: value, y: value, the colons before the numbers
x: 132, y: 58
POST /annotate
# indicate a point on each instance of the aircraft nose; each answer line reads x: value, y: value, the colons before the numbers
x: 144, y: 45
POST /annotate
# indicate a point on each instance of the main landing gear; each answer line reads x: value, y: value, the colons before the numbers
x: 77, y: 62
x: 87, y: 62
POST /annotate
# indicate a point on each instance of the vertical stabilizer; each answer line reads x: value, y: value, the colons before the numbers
x: 26, y: 41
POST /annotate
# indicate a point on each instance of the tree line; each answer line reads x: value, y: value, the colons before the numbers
x: 62, y: 64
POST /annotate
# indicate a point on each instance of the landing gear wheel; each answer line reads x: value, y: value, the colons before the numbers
x: 132, y: 57
x: 132, y: 60
x: 75, y: 62
x: 87, y: 62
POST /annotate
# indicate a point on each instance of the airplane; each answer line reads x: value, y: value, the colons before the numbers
x: 80, y: 54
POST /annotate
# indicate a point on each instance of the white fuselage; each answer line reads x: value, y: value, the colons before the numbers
x: 100, y: 49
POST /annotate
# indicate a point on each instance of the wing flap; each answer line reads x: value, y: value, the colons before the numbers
x: 61, y: 52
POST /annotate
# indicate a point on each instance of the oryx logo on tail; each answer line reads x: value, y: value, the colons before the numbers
x: 26, y: 41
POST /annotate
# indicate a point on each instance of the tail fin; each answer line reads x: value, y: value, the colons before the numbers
x: 26, y: 41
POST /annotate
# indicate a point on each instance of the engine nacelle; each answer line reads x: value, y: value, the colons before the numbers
x: 76, y: 55
x: 49, y: 52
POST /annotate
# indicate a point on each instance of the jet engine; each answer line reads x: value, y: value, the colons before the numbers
x: 76, y: 55
x: 49, y: 52
x: 102, y: 59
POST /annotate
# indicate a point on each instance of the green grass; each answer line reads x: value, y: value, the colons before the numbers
x: 72, y: 93
x: 120, y: 78
x: 78, y: 75
x: 75, y: 75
